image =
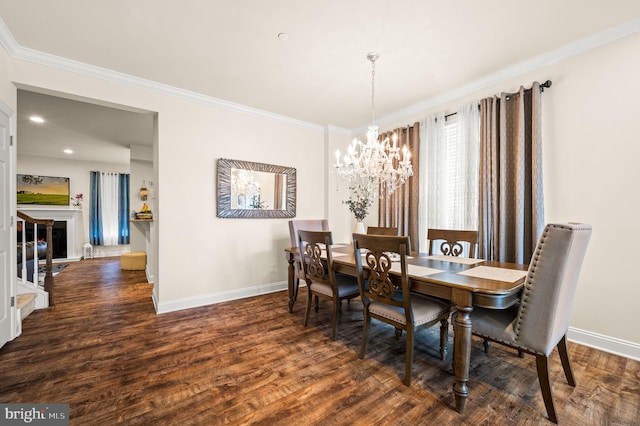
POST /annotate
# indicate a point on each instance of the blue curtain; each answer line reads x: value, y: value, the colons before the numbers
x: 95, y: 211
x: 123, y: 208
x: 100, y: 207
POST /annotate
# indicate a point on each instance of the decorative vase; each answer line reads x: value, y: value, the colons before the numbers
x: 359, y: 227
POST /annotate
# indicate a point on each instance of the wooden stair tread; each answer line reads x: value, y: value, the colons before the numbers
x: 25, y: 299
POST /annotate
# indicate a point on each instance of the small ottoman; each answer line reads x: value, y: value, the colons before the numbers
x: 134, y: 261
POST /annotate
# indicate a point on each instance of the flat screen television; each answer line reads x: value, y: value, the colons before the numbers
x: 42, y: 190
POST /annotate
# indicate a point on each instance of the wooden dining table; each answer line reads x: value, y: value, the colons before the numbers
x: 465, y: 282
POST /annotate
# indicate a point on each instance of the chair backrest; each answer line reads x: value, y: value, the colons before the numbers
x: 450, y: 241
x: 372, y: 252
x: 379, y: 230
x: 550, y: 286
x: 308, y: 225
x: 315, y: 255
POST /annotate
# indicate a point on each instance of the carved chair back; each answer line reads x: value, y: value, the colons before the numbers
x: 315, y: 255
x: 377, y: 253
x: 451, y: 241
x: 309, y: 225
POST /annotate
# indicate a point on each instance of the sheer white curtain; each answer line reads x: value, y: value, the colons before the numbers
x: 449, y: 158
x: 109, y: 197
x: 431, y: 146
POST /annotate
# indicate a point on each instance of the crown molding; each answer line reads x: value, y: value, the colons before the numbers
x: 18, y: 52
x: 26, y: 54
x: 531, y: 64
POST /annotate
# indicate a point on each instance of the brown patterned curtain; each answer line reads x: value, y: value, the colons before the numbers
x: 400, y: 209
x: 511, y: 196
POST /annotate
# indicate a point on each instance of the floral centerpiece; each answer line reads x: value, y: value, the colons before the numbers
x: 77, y: 200
x: 359, y: 202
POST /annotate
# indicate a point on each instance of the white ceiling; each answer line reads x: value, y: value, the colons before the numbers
x: 229, y: 50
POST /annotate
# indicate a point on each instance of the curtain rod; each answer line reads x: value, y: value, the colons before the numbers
x: 544, y: 85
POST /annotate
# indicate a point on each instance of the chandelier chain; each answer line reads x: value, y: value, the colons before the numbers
x: 373, y: 91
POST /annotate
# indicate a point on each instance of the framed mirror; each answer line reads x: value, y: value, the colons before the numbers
x: 255, y: 190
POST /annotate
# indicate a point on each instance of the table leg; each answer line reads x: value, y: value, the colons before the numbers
x: 291, y: 283
x: 462, y: 347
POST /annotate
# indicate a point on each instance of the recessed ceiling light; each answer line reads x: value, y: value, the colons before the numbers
x: 36, y: 119
x: 68, y: 151
x: 283, y: 36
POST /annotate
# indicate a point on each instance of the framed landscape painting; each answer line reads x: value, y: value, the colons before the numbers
x: 42, y: 190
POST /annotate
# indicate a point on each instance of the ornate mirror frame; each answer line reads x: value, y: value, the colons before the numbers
x: 224, y: 209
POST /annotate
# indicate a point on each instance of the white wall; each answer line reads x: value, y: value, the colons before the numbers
x: 141, y: 166
x: 200, y: 258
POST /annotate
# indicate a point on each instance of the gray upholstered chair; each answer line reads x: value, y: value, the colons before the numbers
x: 379, y: 230
x: 294, y: 227
x: 540, y: 322
x: 451, y: 240
x: 322, y: 281
x: 390, y: 300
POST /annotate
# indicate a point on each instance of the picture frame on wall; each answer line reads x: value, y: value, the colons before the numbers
x: 42, y: 190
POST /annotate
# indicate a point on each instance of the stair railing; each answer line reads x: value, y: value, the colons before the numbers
x: 48, y: 277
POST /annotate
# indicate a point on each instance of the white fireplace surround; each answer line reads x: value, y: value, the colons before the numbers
x: 72, y: 216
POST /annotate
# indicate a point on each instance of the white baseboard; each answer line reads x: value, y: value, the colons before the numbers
x: 605, y: 343
x: 224, y: 296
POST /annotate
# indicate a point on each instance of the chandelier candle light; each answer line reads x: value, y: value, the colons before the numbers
x: 374, y: 166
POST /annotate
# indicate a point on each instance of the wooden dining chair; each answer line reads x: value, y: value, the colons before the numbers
x: 451, y: 240
x: 322, y: 281
x: 294, y: 227
x: 540, y: 321
x: 388, y: 298
x: 380, y: 230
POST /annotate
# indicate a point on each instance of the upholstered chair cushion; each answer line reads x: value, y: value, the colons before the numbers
x: 424, y: 310
x: 499, y: 324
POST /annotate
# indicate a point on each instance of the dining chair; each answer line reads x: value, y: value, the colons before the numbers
x: 294, y: 227
x: 451, y: 241
x: 387, y: 298
x: 540, y: 321
x: 322, y: 281
x: 380, y: 230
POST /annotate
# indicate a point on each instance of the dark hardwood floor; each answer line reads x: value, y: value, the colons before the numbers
x: 103, y: 350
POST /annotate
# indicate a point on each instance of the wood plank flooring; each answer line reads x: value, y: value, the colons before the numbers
x: 103, y: 350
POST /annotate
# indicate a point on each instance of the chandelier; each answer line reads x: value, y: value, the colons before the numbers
x: 375, y: 166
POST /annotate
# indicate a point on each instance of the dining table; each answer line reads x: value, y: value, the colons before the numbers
x: 466, y: 282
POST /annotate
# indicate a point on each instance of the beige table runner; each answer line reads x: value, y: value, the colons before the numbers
x: 491, y: 273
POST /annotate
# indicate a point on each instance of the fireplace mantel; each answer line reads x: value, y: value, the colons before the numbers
x: 73, y: 217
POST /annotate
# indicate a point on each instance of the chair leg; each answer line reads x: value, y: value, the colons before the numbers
x: 296, y: 287
x: 334, y: 318
x: 408, y: 363
x: 398, y: 333
x: 444, y: 335
x: 487, y: 344
x: 306, y: 314
x: 317, y: 304
x: 564, y: 358
x: 545, y: 386
x: 366, y: 324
